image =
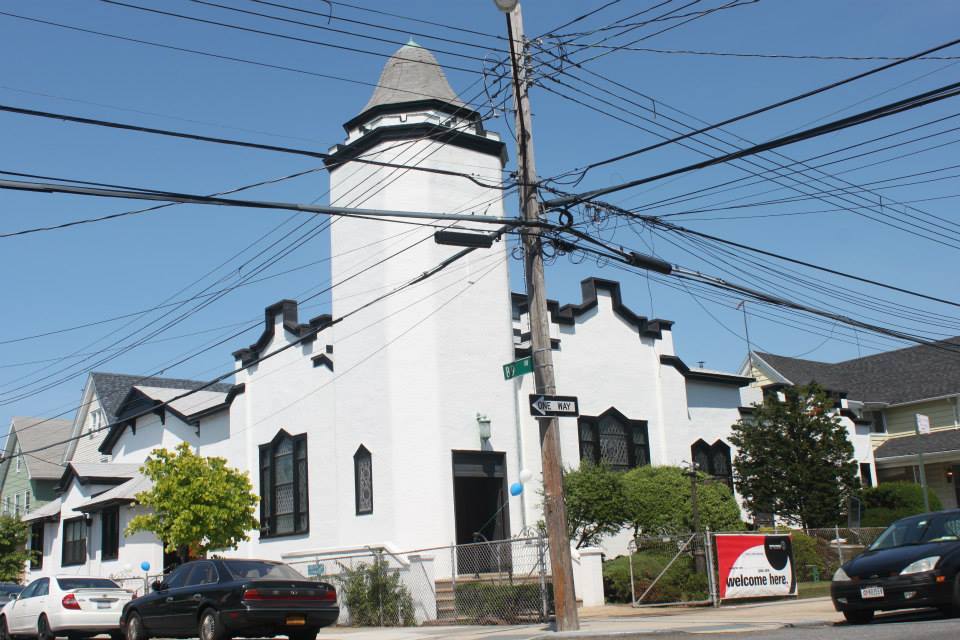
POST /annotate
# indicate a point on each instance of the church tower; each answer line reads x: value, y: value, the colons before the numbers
x: 419, y: 373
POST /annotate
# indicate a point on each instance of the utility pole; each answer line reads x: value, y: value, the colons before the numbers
x: 698, y: 550
x: 746, y: 332
x: 555, y: 512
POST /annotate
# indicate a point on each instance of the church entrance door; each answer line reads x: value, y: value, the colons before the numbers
x: 481, y: 511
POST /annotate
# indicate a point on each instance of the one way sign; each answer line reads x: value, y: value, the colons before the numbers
x: 561, y: 406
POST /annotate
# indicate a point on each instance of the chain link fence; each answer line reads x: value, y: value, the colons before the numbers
x: 497, y: 582
x: 824, y: 550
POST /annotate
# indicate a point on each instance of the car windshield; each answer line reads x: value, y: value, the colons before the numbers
x: 69, y: 584
x: 253, y: 569
x: 920, y: 530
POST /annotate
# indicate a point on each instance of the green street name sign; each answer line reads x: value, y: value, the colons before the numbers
x: 518, y: 368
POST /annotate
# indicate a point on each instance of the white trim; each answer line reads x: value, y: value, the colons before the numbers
x: 911, y: 459
x: 776, y: 377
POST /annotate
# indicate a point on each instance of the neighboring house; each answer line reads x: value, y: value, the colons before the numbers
x: 880, y: 397
x: 393, y: 426
x: 27, y: 481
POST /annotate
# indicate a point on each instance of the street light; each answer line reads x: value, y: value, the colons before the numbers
x: 506, y: 5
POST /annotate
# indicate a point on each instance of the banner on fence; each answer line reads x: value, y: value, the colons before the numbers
x: 755, y: 566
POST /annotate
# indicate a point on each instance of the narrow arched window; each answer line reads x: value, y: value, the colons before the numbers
x: 700, y: 451
x: 363, y: 481
x: 283, y: 486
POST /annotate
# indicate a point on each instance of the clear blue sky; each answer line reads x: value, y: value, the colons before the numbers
x: 64, y: 278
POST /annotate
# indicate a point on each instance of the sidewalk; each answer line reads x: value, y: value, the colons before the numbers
x: 622, y: 621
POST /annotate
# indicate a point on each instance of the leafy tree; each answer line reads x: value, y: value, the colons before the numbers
x: 794, y: 459
x: 596, y: 505
x: 658, y: 500
x: 894, y: 500
x: 196, y: 503
x: 13, y: 548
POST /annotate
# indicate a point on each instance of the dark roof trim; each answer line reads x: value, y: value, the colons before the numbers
x: 101, y: 506
x: 410, y: 107
x: 747, y: 411
x: 704, y: 376
x: 848, y: 413
x: 568, y: 313
x: 343, y: 154
x: 322, y: 360
x: 136, y: 402
x: 70, y: 473
x: 288, y: 308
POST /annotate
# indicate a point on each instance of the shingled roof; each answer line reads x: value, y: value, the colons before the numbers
x: 934, y: 442
x: 412, y: 74
x: 46, y: 438
x: 904, y: 375
x: 112, y: 388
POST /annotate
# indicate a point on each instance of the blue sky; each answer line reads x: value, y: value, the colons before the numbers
x: 61, y: 279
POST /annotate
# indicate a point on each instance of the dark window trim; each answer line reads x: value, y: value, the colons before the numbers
x: 268, y: 520
x: 76, y: 559
x: 110, y: 540
x: 632, y: 425
x: 711, y: 449
x: 362, y: 453
x: 37, y: 534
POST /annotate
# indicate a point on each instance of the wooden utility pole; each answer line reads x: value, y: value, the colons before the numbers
x: 555, y: 511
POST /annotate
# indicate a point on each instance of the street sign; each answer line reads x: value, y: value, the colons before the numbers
x: 518, y: 368
x: 923, y: 423
x: 561, y: 406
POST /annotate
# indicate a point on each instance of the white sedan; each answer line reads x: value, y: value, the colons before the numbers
x: 73, y: 606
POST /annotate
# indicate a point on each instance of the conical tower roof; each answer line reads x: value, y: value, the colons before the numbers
x: 410, y: 75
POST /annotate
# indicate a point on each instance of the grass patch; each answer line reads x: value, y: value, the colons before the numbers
x: 813, y: 589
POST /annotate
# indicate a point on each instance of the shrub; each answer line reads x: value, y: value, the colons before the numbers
x: 812, y: 554
x: 891, y: 501
x: 375, y: 597
x: 491, y: 603
x: 596, y: 505
x: 681, y: 583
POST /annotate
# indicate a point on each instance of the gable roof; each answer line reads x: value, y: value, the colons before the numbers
x: 97, y: 473
x: 112, y: 388
x: 892, y: 377
x: 121, y: 494
x: 44, y: 435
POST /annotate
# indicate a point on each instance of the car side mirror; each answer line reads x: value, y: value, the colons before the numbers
x: 158, y: 585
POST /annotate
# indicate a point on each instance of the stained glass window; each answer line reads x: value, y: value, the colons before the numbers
x: 283, y: 486
x: 614, y: 440
x: 363, y: 480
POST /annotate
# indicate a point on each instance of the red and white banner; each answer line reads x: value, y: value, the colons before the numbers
x: 755, y: 566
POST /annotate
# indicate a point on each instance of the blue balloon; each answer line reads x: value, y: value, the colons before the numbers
x: 145, y: 565
x: 516, y: 489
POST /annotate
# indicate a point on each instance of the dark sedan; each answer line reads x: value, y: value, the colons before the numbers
x: 914, y: 563
x: 225, y: 598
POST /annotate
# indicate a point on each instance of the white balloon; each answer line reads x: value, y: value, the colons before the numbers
x: 526, y: 475
x: 127, y: 567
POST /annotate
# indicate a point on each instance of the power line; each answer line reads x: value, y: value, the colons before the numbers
x: 773, y: 106
x: 333, y: 161
x: 913, y: 102
x: 235, y: 27
x: 774, y: 56
x: 418, y: 20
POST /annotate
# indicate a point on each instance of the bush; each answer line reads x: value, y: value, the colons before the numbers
x: 891, y: 501
x: 375, y: 597
x: 813, y: 556
x: 492, y: 603
x: 681, y: 583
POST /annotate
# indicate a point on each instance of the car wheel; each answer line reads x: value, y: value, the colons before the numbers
x: 859, y: 617
x: 43, y: 629
x: 4, y: 631
x: 211, y: 627
x: 134, y: 629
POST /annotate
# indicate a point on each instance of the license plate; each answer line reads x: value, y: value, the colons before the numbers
x: 103, y: 605
x: 296, y: 621
x: 871, y: 592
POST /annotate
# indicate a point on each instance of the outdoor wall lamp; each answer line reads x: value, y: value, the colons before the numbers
x: 949, y: 474
x: 483, y: 424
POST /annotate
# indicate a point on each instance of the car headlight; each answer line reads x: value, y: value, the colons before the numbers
x: 841, y: 576
x: 924, y: 564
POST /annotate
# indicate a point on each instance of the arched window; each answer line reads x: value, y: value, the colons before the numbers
x: 614, y: 439
x: 363, y: 481
x: 283, y: 486
x: 713, y: 459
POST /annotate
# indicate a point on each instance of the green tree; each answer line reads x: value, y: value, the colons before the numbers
x: 794, y: 459
x: 894, y: 500
x: 658, y: 500
x: 13, y: 548
x: 596, y: 505
x: 196, y: 503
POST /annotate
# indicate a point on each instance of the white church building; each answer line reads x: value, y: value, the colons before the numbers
x: 391, y: 425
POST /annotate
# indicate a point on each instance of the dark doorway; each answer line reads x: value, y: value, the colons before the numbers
x: 481, y: 511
